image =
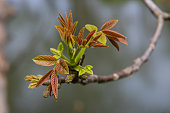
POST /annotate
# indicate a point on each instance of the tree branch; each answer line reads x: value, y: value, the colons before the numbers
x: 138, y: 62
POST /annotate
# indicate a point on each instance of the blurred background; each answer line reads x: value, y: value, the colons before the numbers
x: 32, y: 32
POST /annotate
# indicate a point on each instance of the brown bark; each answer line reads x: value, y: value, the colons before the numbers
x: 5, y: 12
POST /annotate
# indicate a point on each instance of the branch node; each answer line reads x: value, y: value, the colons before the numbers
x: 137, y: 60
x: 152, y: 46
x: 115, y: 76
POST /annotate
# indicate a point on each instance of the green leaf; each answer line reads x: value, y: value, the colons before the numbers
x: 82, y: 71
x: 90, y: 27
x: 102, y: 38
x: 88, y: 67
x: 78, y: 68
x: 57, y: 56
x: 45, y: 60
x: 56, y: 52
x: 88, y: 70
x: 60, y: 47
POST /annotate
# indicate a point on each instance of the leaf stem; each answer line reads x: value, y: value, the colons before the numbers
x: 78, y: 57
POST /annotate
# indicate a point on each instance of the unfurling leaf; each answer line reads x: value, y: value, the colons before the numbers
x: 109, y: 24
x: 82, y: 71
x: 113, y: 34
x: 80, y: 36
x: 62, y: 19
x: 45, y: 60
x: 60, y: 47
x: 89, y: 35
x: 62, y: 67
x: 121, y: 40
x: 114, y: 43
x: 88, y: 69
x: 47, y: 91
x: 96, y: 37
x: 54, y: 51
x: 73, y: 28
x: 44, y: 78
x: 54, y: 84
x: 102, y: 39
x: 99, y: 45
x: 69, y: 20
x: 32, y: 85
x: 90, y: 27
x: 69, y: 78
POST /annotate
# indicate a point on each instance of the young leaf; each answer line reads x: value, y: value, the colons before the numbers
x: 46, y: 92
x: 32, y: 85
x: 90, y: 35
x: 102, y: 39
x: 73, y: 27
x: 82, y: 71
x: 44, y: 78
x: 62, y: 67
x: 114, y: 43
x: 69, y: 78
x: 61, y: 22
x: 99, y: 45
x: 62, y: 19
x: 45, y: 60
x: 121, y: 40
x: 69, y: 20
x: 54, y: 84
x: 88, y: 70
x: 113, y: 34
x: 90, y: 27
x: 60, y: 30
x: 80, y: 36
x: 109, y: 24
x: 97, y: 36
x: 60, y: 47
x: 88, y: 67
x: 56, y: 52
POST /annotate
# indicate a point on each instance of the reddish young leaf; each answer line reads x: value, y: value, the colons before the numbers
x: 69, y: 20
x: 84, y: 42
x: 62, y: 18
x: 92, y: 42
x: 62, y: 67
x: 60, y: 30
x: 80, y: 36
x: 54, y: 84
x: 113, y: 34
x: 45, y: 60
x: 96, y: 37
x: 44, y: 78
x: 66, y: 16
x: 99, y: 45
x: 109, y: 24
x: 61, y: 22
x: 114, y: 43
x: 90, y: 35
x: 73, y: 27
x: 119, y: 40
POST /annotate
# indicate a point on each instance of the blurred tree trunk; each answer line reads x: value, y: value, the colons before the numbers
x: 6, y: 11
